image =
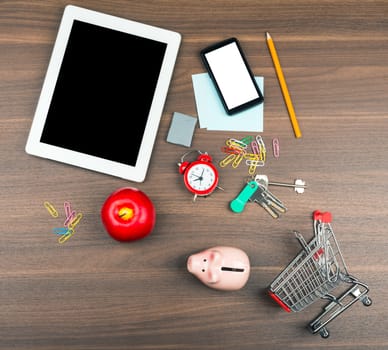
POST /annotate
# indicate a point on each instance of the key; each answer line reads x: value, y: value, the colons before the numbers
x: 262, y: 180
x: 299, y: 185
x: 268, y: 201
x: 260, y: 198
x: 275, y: 202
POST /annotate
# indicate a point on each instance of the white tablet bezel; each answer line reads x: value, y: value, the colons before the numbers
x: 135, y: 173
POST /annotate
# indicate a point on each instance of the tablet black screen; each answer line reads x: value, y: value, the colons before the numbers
x: 103, y: 93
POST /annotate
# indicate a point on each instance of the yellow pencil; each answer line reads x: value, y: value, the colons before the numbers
x: 283, y: 86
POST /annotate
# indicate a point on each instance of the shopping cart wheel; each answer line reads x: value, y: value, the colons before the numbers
x: 316, y: 327
x: 324, y: 333
x: 366, y: 301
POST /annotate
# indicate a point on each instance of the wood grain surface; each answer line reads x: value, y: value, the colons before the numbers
x: 95, y: 293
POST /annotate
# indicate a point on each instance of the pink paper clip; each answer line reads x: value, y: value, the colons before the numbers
x: 276, y: 147
x: 255, y: 147
x: 69, y: 218
x: 67, y: 207
x: 70, y: 214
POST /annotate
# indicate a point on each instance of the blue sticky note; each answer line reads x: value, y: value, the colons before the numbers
x: 212, y: 115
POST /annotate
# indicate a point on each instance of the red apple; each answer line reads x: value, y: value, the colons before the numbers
x: 128, y: 214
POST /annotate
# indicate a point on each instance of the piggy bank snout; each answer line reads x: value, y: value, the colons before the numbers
x: 190, y: 264
x: 195, y: 264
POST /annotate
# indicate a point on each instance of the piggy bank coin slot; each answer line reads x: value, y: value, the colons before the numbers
x: 232, y: 269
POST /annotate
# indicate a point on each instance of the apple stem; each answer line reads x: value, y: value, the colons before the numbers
x: 125, y: 213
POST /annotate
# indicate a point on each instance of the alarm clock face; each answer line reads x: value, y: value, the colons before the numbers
x: 201, y: 178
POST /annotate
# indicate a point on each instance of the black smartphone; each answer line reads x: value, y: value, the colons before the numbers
x: 232, y: 77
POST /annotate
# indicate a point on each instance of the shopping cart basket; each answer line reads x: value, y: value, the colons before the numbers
x: 317, y: 270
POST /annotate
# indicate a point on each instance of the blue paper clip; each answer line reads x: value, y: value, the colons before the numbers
x: 61, y: 230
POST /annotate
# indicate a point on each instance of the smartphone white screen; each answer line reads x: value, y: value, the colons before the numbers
x: 232, y: 76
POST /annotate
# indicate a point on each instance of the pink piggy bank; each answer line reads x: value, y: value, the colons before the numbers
x: 224, y: 268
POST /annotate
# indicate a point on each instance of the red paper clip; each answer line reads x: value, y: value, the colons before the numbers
x: 230, y: 150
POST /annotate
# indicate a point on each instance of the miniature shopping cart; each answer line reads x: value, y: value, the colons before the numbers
x: 316, y: 271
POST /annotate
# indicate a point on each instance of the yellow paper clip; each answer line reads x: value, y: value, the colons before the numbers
x: 65, y: 237
x: 75, y: 221
x: 253, y: 164
x: 252, y: 169
x: 230, y: 157
x: 50, y: 208
x: 262, y: 149
x: 238, y: 160
x: 251, y: 156
x: 260, y: 141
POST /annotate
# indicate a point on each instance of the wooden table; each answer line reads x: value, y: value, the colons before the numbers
x: 95, y: 293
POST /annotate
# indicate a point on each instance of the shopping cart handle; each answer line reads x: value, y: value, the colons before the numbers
x: 322, y: 216
x: 237, y: 205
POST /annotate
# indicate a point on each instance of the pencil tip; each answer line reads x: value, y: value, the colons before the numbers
x: 267, y: 34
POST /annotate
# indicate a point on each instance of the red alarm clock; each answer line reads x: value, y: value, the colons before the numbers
x: 200, y: 176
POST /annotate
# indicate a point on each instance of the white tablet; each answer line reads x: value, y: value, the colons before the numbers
x: 104, y: 93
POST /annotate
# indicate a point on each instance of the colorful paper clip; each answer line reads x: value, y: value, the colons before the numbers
x: 51, y: 209
x: 229, y: 158
x: 234, y: 143
x: 67, y: 207
x: 72, y: 220
x: 66, y: 236
x: 251, y: 162
x: 230, y: 150
x: 255, y: 147
x: 69, y: 218
x: 276, y: 147
x: 238, y: 160
x: 250, y: 148
x: 251, y: 156
x: 68, y: 212
x: 75, y: 221
x: 262, y: 148
x: 60, y: 230
x: 247, y: 140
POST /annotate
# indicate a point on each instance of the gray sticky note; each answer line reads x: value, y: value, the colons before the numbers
x: 181, y: 129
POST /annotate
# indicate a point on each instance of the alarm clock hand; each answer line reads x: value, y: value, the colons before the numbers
x: 199, y: 177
